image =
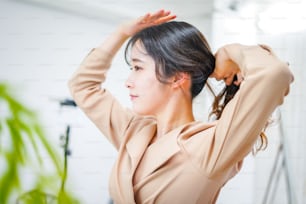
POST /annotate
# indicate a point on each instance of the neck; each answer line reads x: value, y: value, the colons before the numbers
x: 175, y: 114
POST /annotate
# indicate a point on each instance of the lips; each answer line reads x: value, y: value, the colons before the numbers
x: 133, y: 97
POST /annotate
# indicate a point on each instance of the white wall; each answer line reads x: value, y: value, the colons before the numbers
x: 41, y: 47
x: 291, y: 47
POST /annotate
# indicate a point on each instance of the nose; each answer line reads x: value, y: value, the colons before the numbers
x: 129, y: 83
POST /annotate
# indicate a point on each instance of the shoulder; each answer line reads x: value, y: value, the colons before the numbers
x: 197, y: 134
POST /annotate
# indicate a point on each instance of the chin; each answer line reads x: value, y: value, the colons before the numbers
x: 142, y: 112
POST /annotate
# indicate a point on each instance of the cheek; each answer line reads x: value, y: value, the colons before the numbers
x: 148, y: 81
x: 153, y: 90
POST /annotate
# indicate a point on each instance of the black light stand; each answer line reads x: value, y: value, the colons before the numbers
x: 281, y: 163
x: 66, y: 138
x: 43, y: 196
x: 66, y: 154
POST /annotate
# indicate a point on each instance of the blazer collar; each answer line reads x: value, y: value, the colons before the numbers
x: 138, y: 144
x: 158, y: 153
x: 155, y: 155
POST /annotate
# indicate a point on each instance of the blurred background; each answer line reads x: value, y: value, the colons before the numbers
x: 42, y: 42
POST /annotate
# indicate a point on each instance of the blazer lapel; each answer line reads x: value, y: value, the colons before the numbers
x: 164, y: 149
x: 138, y: 144
x: 158, y: 153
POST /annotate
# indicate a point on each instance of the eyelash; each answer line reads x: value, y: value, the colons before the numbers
x: 136, y: 68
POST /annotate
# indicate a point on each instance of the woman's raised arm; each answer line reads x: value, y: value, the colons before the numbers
x: 85, y: 85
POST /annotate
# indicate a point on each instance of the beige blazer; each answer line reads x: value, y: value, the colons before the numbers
x: 192, y: 162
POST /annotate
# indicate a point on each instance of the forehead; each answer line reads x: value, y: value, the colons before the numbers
x: 140, y: 55
x: 138, y: 50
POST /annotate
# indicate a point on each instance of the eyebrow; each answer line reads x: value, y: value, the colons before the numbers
x: 137, y: 60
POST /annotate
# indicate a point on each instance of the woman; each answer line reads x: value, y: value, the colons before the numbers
x: 164, y: 155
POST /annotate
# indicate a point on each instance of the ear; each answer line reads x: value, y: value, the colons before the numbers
x: 181, y: 79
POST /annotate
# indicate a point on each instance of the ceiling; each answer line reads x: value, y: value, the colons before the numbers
x: 112, y: 11
x: 118, y: 10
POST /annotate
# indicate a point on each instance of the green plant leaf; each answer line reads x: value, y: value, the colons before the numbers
x: 25, y: 136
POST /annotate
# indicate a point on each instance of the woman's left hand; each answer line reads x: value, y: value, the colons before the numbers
x: 225, y: 68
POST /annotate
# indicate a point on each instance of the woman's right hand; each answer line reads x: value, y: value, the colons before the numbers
x: 114, y: 41
x: 132, y: 27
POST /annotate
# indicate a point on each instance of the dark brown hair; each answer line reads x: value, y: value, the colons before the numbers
x: 220, y: 101
x: 177, y: 47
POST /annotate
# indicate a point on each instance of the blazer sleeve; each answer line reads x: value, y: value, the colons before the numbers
x: 96, y: 102
x: 266, y: 83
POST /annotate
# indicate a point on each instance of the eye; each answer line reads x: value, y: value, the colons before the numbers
x: 136, y: 68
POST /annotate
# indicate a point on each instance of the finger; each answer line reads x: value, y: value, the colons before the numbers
x: 213, y: 75
x: 166, y: 16
x: 229, y: 80
x: 240, y: 78
x: 159, y: 14
x: 160, y: 17
x: 165, y: 19
x: 144, y: 19
x: 150, y: 17
x: 216, y: 76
